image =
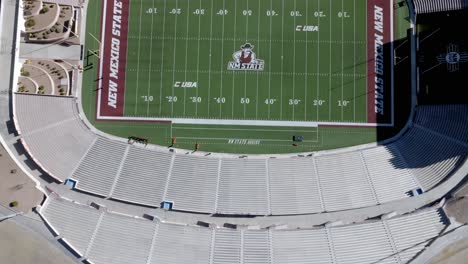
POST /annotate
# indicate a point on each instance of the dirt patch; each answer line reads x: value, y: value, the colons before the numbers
x: 21, y: 246
x: 457, y: 209
x: 16, y: 185
x: 456, y: 253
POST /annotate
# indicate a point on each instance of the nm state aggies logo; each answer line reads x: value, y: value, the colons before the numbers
x: 245, y: 59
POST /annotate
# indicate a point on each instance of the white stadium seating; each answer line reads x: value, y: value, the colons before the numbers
x: 432, y: 6
x: 344, y: 181
x: 76, y: 223
x: 99, y: 167
x: 108, y: 238
x: 117, y: 234
x: 188, y: 189
x: 243, y: 187
x: 427, y: 153
x: 294, y: 186
x: 143, y: 177
x: 180, y: 244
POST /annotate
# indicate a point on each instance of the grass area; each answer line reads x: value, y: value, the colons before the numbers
x: 317, y: 75
x: 307, y: 75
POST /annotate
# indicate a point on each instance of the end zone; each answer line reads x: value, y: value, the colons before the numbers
x: 380, y: 61
x: 112, y: 66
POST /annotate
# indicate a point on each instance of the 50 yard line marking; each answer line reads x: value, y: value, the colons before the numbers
x: 162, y: 60
x: 138, y: 61
x: 246, y: 40
x: 149, y: 72
x: 186, y: 55
x: 233, y: 72
x: 174, y: 58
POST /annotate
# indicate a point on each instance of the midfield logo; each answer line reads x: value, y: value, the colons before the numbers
x: 246, y: 60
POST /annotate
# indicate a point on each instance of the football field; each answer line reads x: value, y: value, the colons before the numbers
x: 242, y: 71
x: 189, y: 59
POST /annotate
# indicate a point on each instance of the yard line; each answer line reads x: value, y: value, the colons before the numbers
x: 330, y: 67
x: 233, y: 72
x: 269, y: 67
x: 294, y: 65
x: 186, y: 53
x: 258, y: 38
x: 222, y: 66
x: 198, y: 60
x: 354, y: 64
x: 306, y: 63
x: 318, y: 60
x: 245, y: 72
x: 282, y: 57
x: 162, y: 60
x: 149, y: 72
x: 209, y: 63
x: 342, y: 63
x: 174, y: 58
x: 138, y: 62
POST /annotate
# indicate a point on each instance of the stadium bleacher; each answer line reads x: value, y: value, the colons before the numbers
x: 108, y: 237
x: 432, y: 6
x: 422, y: 158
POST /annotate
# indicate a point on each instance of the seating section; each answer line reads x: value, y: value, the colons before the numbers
x: 430, y: 157
x: 118, y: 234
x: 181, y: 244
x: 143, y: 177
x: 98, y: 169
x: 301, y: 246
x: 256, y: 247
x: 388, y: 173
x: 412, y: 233
x: 61, y: 141
x: 362, y: 243
x: 243, y: 187
x: 294, y: 186
x: 449, y: 120
x: 193, y: 183
x: 433, y: 6
x: 227, y: 246
x: 107, y: 238
x: 423, y: 157
x: 75, y: 223
x: 344, y: 181
x: 36, y: 112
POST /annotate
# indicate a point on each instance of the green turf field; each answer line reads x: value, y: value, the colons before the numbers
x: 316, y: 75
x: 311, y: 75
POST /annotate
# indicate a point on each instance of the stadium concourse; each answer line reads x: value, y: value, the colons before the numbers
x: 376, y: 203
